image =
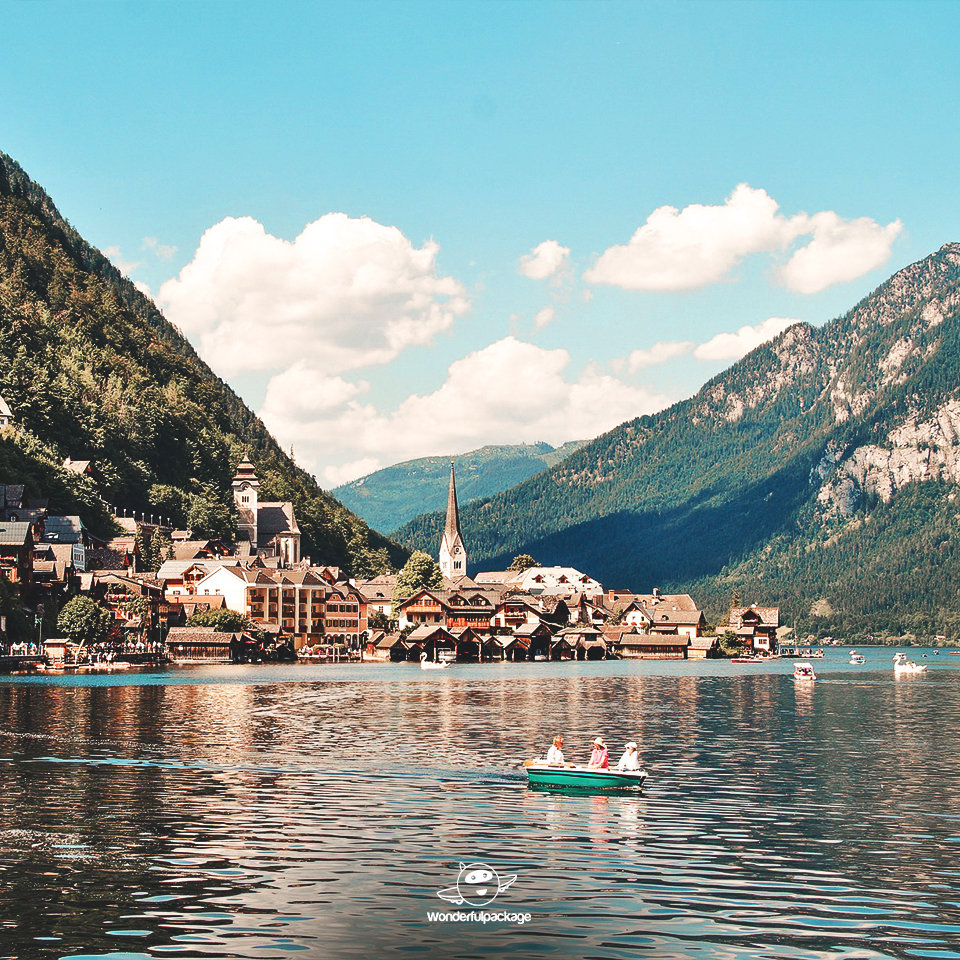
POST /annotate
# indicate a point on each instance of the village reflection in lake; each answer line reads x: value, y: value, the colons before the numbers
x: 268, y: 811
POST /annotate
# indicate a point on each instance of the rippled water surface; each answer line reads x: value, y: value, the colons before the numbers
x: 317, y: 811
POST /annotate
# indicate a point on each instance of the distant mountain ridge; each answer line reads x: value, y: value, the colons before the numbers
x: 93, y: 371
x: 820, y: 472
x: 390, y: 497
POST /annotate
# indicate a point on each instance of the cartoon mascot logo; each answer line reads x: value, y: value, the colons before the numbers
x: 477, y: 884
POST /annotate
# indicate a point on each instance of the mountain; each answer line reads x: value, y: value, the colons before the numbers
x: 92, y: 371
x: 819, y: 473
x: 395, y: 495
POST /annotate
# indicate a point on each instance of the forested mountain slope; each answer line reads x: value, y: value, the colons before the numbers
x: 820, y: 472
x: 93, y: 371
x: 395, y: 495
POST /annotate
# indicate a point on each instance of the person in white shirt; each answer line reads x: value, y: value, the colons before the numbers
x: 629, y: 760
x: 555, y: 753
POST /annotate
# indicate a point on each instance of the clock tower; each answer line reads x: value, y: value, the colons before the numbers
x: 245, y: 485
x: 453, y: 556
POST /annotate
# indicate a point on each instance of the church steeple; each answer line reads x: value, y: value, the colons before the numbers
x: 453, y: 556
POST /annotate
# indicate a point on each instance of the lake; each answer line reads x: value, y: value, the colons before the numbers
x: 318, y: 811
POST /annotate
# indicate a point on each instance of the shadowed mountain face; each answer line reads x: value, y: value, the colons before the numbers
x: 395, y: 495
x: 820, y: 472
x: 91, y: 370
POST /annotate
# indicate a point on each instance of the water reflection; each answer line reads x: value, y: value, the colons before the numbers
x: 264, y: 814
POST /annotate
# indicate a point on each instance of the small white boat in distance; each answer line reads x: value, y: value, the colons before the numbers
x: 426, y: 664
x: 857, y: 657
x: 902, y: 665
x: 804, y: 671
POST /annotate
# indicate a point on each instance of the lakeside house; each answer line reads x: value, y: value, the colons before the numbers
x: 756, y: 627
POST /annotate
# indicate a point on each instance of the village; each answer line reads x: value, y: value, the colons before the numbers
x: 298, y: 610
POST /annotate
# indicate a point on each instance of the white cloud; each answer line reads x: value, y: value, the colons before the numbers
x: 542, y: 317
x: 699, y: 245
x: 346, y: 293
x: 657, y: 354
x: 163, y: 251
x: 733, y: 346
x: 840, y: 250
x: 144, y: 288
x: 544, y: 260
x: 334, y: 476
x: 126, y: 267
x: 508, y: 392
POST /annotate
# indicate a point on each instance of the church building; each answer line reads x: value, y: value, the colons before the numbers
x: 453, y: 556
x: 270, y: 528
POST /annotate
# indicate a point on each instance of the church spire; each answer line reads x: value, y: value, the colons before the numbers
x: 453, y: 556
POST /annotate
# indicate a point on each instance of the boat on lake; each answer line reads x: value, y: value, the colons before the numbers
x: 902, y: 665
x: 427, y: 664
x: 857, y: 657
x: 804, y: 671
x: 542, y: 774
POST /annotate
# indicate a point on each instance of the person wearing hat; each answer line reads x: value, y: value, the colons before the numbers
x: 629, y: 760
x: 600, y: 757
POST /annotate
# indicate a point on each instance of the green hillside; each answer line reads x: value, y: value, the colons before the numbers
x: 93, y: 371
x: 819, y: 473
x: 395, y: 495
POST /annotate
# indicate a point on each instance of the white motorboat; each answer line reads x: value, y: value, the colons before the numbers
x: 857, y: 657
x: 804, y: 671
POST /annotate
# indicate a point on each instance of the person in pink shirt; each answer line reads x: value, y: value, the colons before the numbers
x: 600, y: 757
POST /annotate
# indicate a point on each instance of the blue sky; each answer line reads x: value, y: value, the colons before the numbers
x: 406, y: 229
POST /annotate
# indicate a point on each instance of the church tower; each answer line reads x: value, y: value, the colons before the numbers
x: 245, y: 485
x: 453, y: 557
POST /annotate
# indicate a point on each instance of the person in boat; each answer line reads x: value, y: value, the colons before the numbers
x: 555, y: 753
x: 600, y: 758
x: 629, y: 760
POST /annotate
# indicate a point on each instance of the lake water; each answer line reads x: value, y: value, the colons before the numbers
x: 284, y: 811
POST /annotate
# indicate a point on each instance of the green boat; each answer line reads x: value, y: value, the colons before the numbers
x: 582, y: 778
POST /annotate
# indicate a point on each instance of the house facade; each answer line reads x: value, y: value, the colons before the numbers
x: 756, y: 627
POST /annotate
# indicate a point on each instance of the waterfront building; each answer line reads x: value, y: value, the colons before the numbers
x: 649, y: 646
x: 430, y: 640
x: 453, y: 554
x: 291, y: 602
x: 205, y: 645
x: 423, y: 607
x: 755, y: 627
x: 454, y: 609
x: 6, y: 415
x: 301, y: 605
x: 658, y: 613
